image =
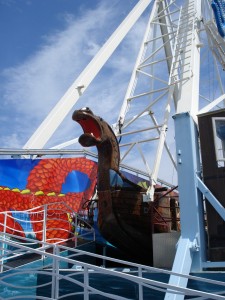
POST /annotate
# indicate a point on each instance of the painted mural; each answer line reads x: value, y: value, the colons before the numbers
x: 62, y: 184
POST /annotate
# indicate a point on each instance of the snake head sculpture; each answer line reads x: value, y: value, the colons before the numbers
x: 92, y: 135
x: 97, y: 132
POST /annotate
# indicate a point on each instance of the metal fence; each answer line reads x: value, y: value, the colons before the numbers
x: 56, y: 271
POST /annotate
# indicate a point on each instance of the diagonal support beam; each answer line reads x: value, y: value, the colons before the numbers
x: 211, y: 198
x: 182, y: 264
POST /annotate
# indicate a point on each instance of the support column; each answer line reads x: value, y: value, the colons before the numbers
x: 191, y: 246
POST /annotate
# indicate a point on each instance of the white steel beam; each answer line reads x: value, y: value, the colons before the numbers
x: 169, y: 52
x: 65, y: 104
x: 212, y: 104
x: 189, y: 95
x: 134, y: 76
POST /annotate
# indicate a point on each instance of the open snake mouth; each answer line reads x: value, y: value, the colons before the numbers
x: 90, y: 125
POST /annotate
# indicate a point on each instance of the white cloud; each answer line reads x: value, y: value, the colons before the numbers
x: 43, y: 76
x: 12, y: 140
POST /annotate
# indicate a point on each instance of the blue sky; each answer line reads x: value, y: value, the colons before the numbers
x: 45, y: 44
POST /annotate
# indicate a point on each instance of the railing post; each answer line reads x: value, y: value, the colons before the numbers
x: 55, y: 273
x: 3, y: 243
x: 44, y: 223
x: 140, y: 286
x: 86, y: 283
x: 44, y: 230
x: 1, y: 253
x: 75, y: 231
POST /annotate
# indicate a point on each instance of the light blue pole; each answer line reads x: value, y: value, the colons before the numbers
x: 191, y: 250
x: 190, y: 198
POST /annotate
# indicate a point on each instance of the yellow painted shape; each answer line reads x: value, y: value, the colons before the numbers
x: 25, y: 191
x: 51, y: 194
x: 39, y: 193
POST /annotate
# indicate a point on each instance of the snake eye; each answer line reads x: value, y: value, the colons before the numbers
x: 87, y: 109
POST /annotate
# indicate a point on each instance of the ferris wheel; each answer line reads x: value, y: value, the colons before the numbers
x: 178, y: 74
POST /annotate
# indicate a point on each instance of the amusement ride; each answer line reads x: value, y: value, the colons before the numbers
x: 170, y: 121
